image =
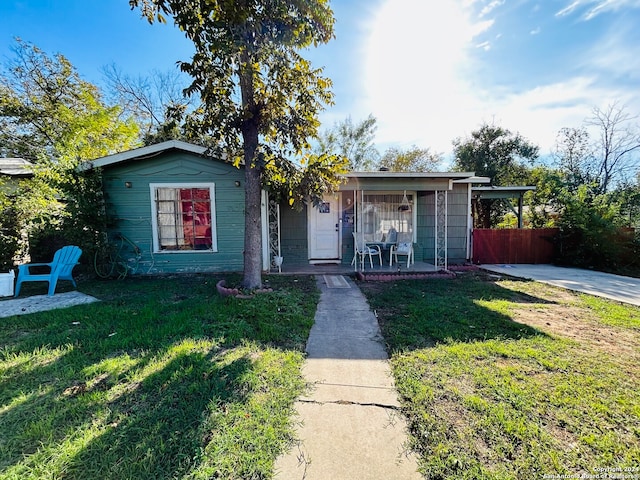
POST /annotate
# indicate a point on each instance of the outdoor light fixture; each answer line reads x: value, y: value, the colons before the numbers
x: 237, y: 182
x: 127, y: 184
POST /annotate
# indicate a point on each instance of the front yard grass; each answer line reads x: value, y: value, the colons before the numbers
x: 505, y: 379
x: 161, y: 379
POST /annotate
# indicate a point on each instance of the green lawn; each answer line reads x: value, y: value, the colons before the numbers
x: 165, y: 379
x: 513, y: 380
x: 161, y: 379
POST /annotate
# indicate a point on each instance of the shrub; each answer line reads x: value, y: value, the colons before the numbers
x: 592, y: 235
x: 9, y: 235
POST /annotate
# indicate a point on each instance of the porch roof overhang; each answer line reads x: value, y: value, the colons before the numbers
x: 416, y: 181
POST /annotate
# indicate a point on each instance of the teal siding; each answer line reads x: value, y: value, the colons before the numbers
x: 129, y: 210
x: 293, y: 235
x: 424, y: 228
x: 457, y: 215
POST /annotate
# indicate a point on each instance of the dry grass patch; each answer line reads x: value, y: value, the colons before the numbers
x: 502, y: 379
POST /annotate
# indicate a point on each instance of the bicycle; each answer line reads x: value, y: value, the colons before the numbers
x: 114, y: 260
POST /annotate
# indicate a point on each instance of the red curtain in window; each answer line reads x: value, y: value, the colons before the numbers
x: 196, y: 217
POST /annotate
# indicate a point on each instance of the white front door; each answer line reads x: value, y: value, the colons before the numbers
x: 324, y: 230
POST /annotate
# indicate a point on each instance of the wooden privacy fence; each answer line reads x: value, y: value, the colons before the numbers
x: 513, y: 245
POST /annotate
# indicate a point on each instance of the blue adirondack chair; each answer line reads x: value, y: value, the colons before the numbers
x: 59, y: 269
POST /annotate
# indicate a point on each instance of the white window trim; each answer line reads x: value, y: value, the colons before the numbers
x: 154, y: 216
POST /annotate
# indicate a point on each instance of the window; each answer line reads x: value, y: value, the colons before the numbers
x: 183, y: 217
x: 385, y: 212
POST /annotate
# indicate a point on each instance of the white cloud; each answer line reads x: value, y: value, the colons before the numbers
x: 615, y: 54
x: 420, y: 75
x: 416, y: 68
x: 491, y: 7
x: 568, y: 10
x: 610, y: 5
x: 540, y: 112
x: 596, y: 7
x: 535, y: 31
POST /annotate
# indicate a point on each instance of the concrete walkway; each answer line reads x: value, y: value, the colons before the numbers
x: 351, y: 428
x: 614, y: 287
x: 41, y: 303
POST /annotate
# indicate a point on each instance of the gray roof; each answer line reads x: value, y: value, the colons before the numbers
x: 16, y: 167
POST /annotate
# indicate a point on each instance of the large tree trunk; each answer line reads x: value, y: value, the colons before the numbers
x: 252, y: 179
x: 252, y: 228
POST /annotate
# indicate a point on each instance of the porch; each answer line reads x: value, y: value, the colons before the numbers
x: 304, y: 268
x: 430, y: 210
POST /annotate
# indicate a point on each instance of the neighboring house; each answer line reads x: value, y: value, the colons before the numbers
x: 185, y: 212
x: 12, y: 170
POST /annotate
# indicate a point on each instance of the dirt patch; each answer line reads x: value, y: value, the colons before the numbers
x: 561, y: 314
x: 579, y: 325
x: 552, y: 310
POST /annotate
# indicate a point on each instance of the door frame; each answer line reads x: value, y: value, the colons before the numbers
x: 311, y: 211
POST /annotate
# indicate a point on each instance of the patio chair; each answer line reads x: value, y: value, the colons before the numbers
x: 59, y: 269
x: 404, y: 247
x: 392, y: 235
x: 362, y: 249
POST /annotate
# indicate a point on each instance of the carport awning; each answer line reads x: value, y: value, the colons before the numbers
x: 503, y: 193
x: 493, y: 192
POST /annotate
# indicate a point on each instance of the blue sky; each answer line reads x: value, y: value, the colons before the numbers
x: 429, y: 71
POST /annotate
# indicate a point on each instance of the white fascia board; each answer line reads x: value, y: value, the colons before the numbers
x: 378, y: 174
x: 142, y: 152
x: 473, y: 179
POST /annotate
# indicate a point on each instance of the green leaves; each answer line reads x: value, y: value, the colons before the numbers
x: 49, y: 113
x: 247, y: 68
x: 53, y: 118
x: 353, y: 140
x: 413, y: 159
x: 260, y: 97
x: 498, y: 154
x: 495, y: 152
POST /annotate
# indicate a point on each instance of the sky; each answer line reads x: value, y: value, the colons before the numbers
x: 430, y: 71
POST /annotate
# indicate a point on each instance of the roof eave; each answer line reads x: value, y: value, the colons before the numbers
x: 384, y: 174
x: 142, y: 152
x: 473, y: 179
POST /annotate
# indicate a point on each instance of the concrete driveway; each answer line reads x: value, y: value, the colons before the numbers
x: 614, y: 287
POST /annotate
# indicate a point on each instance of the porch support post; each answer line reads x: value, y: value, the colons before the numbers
x: 520, y: 205
x: 274, y: 235
x: 441, y: 229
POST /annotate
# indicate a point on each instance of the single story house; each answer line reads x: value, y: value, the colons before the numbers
x: 185, y: 213
x: 12, y: 170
